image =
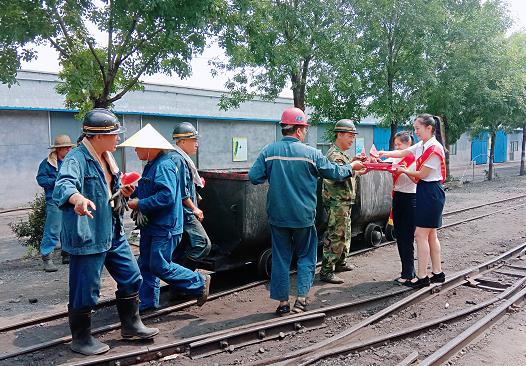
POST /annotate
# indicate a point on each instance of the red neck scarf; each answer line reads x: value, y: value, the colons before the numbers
x: 428, y: 154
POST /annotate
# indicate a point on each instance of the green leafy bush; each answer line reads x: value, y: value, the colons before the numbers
x: 30, y: 232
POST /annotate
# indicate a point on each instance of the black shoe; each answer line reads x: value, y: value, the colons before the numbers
x: 65, y: 257
x: 132, y: 326
x: 283, y: 310
x: 419, y: 283
x: 438, y: 277
x: 82, y: 340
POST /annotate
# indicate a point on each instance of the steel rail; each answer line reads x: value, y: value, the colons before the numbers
x: 114, y: 326
x: 265, y: 329
x: 483, y: 205
x: 110, y: 302
x: 481, y: 216
x: 163, y: 311
x: 205, y: 340
x: 452, y: 281
x: 452, y: 347
x: 411, y: 330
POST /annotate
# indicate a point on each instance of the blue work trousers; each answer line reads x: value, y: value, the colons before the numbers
x: 52, y: 228
x: 195, y: 243
x: 155, y: 263
x: 85, y: 272
x: 286, y: 242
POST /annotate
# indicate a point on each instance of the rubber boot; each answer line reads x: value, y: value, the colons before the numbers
x: 49, y: 266
x: 132, y: 326
x: 83, y: 342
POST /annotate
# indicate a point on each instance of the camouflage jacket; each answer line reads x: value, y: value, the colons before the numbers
x: 343, y: 192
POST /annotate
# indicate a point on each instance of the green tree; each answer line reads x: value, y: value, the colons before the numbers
x: 21, y: 22
x: 273, y: 44
x: 395, y: 37
x: 460, y: 46
x: 141, y: 38
x: 517, y: 117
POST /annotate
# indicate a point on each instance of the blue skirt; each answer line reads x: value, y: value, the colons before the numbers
x: 430, y: 199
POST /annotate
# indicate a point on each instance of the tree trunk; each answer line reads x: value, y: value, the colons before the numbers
x: 298, y: 92
x: 491, y: 154
x: 444, y: 131
x: 523, y: 148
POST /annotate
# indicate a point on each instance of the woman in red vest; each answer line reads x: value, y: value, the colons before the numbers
x: 430, y: 173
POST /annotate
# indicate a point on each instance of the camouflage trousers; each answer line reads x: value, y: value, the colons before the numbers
x: 337, y: 241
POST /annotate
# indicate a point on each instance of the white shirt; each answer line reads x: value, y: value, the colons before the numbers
x: 434, y: 162
x: 404, y: 183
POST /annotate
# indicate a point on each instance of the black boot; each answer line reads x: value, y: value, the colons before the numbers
x: 83, y: 342
x: 131, y: 323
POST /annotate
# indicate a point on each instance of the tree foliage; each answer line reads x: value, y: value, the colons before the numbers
x: 30, y: 232
x: 395, y: 36
x: 140, y: 38
x: 272, y: 44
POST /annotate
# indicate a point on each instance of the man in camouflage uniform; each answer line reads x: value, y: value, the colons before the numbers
x: 338, y: 198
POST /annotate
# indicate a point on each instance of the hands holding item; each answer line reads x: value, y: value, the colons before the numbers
x: 82, y: 205
x: 133, y: 204
x: 357, y: 165
x: 198, y: 213
x: 139, y: 218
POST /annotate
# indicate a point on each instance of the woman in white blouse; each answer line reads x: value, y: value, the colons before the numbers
x: 403, y: 208
x: 430, y: 197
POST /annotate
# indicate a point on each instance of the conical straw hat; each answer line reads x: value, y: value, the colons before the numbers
x: 148, y: 138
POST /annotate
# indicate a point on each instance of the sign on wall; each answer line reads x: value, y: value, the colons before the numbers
x: 239, y: 149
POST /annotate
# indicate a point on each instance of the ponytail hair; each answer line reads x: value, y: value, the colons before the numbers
x: 435, y: 122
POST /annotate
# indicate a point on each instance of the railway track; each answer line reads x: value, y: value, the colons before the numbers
x: 107, y: 328
x: 231, y: 340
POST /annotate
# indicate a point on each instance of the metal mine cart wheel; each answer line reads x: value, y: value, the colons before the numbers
x: 373, y: 234
x: 264, y: 265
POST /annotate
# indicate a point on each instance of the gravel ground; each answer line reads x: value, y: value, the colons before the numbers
x: 463, y: 246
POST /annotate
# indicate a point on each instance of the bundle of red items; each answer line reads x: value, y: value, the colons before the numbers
x: 130, y: 178
x: 381, y: 166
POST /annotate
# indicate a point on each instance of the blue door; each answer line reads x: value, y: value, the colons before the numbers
x: 381, y: 138
x: 500, y: 147
x: 479, y: 149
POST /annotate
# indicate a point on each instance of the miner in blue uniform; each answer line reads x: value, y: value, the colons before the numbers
x: 196, y: 242
x: 93, y: 232
x: 158, y: 211
x: 46, y: 178
x: 292, y: 169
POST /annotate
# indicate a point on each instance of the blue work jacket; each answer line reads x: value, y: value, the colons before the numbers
x: 159, y: 196
x: 186, y: 182
x: 292, y: 170
x: 81, y: 172
x: 47, y: 176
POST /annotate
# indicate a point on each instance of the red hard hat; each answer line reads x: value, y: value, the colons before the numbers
x: 293, y: 116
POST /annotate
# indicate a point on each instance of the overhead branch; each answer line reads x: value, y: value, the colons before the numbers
x: 125, y: 41
x: 62, y: 25
x: 138, y: 46
x: 134, y: 80
x: 61, y: 50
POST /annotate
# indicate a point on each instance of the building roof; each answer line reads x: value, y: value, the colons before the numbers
x: 36, y: 91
